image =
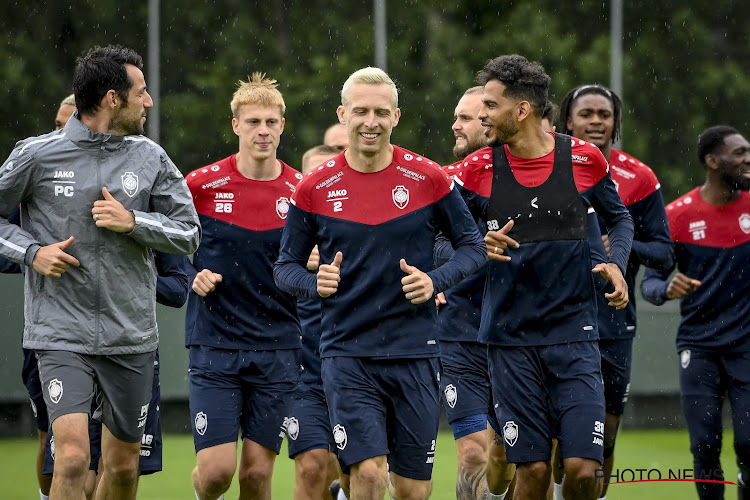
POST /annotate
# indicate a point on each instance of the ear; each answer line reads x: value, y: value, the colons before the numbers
x: 569, y: 123
x: 112, y: 98
x: 340, y: 113
x: 396, y: 116
x: 236, y: 126
x: 523, y: 110
x: 283, y: 121
x: 712, y: 162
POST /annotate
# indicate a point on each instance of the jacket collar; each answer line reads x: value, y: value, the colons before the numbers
x: 84, y: 138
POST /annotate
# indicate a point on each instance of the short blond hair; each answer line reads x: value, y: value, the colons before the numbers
x: 257, y: 90
x: 371, y: 76
x: 69, y: 101
x: 315, y: 151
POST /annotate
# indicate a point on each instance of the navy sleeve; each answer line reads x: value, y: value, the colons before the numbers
x: 607, y: 203
x: 654, y: 285
x: 443, y: 250
x: 297, y: 241
x: 596, y: 246
x: 172, y: 282
x: 455, y: 221
x: 652, y: 243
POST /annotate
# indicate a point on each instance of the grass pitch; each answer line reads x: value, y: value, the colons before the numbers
x: 663, y: 451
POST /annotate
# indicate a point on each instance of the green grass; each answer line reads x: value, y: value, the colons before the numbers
x: 662, y: 450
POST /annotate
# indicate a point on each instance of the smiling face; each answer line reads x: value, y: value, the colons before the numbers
x: 592, y: 118
x: 259, y: 129
x: 369, y: 115
x: 129, y: 117
x: 497, y: 114
x: 467, y: 128
x: 732, y: 162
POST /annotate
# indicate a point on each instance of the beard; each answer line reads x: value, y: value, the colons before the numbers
x: 125, y: 123
x: 472, y: 144
x: 503, y: 132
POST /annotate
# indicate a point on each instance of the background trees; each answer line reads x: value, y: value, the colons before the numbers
x: 685, y: 66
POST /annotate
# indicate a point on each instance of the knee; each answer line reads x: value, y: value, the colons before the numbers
x: 370, y: 473
x: 123, y: 471
x: 256, y: 473
x: 215, y: 479
x: 418, y: 490
x: 497, y: 454
x: 311, y: 468
x: 581, y: 475
x: 72, y: 461
x: 472, y: 455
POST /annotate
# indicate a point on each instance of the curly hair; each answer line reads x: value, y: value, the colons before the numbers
x: 523, y: 79
x: 712, y: 139
x: 571, y: 97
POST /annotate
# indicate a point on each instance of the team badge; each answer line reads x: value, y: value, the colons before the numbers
x: 282, y: 207
x: 745, y: 223
x: 291, y: 425
x: 339, y: 436
x: 401, y: 197
x: 510, y: 433
x: 201, y: 423
x: 451, y: 395
x: 685, y: 358
x: 55, y: 390
x: 130, y: 183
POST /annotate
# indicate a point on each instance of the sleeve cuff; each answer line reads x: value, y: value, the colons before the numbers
x: 30, y: 254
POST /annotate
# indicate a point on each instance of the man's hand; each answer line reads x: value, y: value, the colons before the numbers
x: 329, y: 276
x: 619, y: 298
x: 416, y: 285
x: 52, y: 261
x: 605, y: 240
x: 110, y: 214
x: 681, y: 285
x: 205, y: 282
x: 314, y: 260
x: 440, y: 300
x: 498, y: 241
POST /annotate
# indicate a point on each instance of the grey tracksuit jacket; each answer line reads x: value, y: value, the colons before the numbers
x: 108, y: 304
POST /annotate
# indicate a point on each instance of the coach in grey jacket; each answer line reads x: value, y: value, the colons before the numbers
x: 95, y: 198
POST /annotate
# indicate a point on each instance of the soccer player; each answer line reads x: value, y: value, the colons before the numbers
x: 309, y: 426
x: 64, y: 112
x: 336, y: 136
x: 548, y: 117
x: 98, y: 197
x: 710, y: 227
x: 374, y: 211
x: 594, y: 113
x: 539, y: 313
x: 465, y: 382
x: 242, y: 331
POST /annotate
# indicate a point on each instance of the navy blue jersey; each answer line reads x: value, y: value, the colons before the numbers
x: 309, y: 357
x: 172, y: 281
x: 545, y: 294
x: 712, y: 245
x: 242, y: 220
x: 652, y: 246
x: 376, y: 219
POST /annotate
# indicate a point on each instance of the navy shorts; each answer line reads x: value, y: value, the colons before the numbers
x: 465, y: 380
x: 232, y: 389
x: 387, y: 407
x: 706, y: 379
x: 544, y: 392
x: 617, y: 359
x: 309, y: 427
x: 30, y: 376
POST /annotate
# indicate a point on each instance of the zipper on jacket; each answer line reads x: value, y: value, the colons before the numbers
x: 98, y: 253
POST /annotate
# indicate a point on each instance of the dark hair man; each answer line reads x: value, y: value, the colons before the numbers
x: 539, y: 315
x: 93, y: 325
x: 710, y: 227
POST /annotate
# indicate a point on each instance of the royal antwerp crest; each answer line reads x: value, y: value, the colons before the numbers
x: 130, y: 183
x: 282, y: 207
x: 401, y: 197
x: 745, y: 223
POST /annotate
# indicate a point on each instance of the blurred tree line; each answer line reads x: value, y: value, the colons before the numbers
x: 685, y: 66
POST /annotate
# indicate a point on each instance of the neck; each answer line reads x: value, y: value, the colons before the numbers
x: 718, y: 192
x: 267, y: 169
x: 606, y: 151
x: 533, y: 143
x: 98, y: 123
x: 369, y: 163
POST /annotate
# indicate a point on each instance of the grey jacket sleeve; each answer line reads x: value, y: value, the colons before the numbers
x: 16, y: 182
x: 172, y: 225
